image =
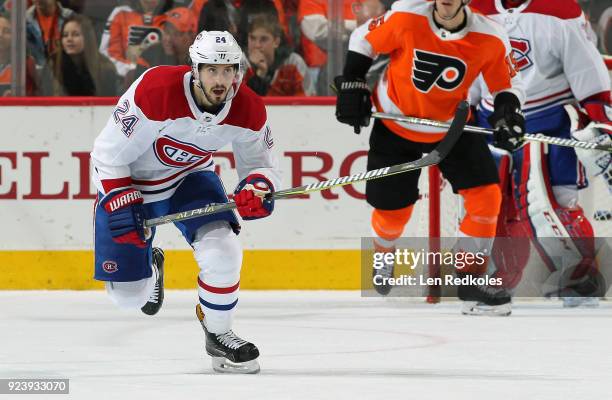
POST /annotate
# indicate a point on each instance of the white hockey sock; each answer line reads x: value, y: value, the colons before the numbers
x: 131, y: 295
x: 382, y: 243
x: 218, y: 253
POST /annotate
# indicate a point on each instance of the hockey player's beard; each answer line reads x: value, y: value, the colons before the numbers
x: 217, y: 98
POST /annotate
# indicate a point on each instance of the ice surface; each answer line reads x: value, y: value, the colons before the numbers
x: 314, y: 345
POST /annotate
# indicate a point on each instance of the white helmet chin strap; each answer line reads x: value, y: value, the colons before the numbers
x: 198, y: 85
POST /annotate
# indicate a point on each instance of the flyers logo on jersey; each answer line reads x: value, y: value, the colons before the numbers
x: 177, y: 154
x: 431, y: 69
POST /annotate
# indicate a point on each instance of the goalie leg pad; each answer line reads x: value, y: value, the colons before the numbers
x: 218, y: 253
x: 566, y: 242
x: 509, y: 257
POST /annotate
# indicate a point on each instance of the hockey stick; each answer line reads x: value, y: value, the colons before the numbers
x: 538, y: 137
x: 438, y: 154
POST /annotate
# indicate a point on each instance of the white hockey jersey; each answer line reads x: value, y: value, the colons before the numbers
x: 557, y: 61
x: 157, y: 135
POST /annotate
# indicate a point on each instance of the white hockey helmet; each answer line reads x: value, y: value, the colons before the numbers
x: 216, y: 47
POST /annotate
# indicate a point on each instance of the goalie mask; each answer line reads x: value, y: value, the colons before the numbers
x: 216, y: 48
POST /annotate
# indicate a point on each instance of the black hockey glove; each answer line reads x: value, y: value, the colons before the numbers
x: 353, y: 106
x: 508, y: 122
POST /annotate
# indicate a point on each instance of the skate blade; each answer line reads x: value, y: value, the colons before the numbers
x: 223, y: 365
x: 476, y: 308
x: 583, y: 302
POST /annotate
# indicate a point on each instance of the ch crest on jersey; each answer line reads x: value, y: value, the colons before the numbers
x: 431, y: 69
x: 125, y: 120
x: 174, y: 153
x: 520, y: 50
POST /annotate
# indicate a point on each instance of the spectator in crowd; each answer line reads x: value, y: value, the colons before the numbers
x: 77, y: 6
x: 129, y: 31
x: 6, y: 5
x: 179, y: 32
x: 274, y: 70
x: 5, y: 61
x: 5, y: 55
x: 249, y: 9
x: 290, y: 8
x: 314, y: 25
x: 219, y: 15
x: 370, y: 9
x: 96, y: 10
x: 234, y: 15
x: 194, y: 5
x: 79, y: 69
x: 43, y: 24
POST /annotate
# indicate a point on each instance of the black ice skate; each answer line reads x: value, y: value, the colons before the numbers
x: 484, y: 300
x: 157, y: 297
x: 230, y: 354
x: 380, y: 279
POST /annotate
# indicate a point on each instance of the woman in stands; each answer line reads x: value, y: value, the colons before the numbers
x: 79, y: 69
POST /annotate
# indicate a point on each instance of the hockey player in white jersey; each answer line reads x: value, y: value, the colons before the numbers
x: 560, y: 66
x: 154, y: 157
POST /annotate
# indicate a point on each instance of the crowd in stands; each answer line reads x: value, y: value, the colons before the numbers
x: 99, y: 47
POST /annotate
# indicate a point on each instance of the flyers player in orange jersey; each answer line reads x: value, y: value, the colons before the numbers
x: 437, y: 49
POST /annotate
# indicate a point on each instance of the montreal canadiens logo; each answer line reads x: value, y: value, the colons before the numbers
x: 110, y: 266
x: 176, y: 154
x: 520, y: 50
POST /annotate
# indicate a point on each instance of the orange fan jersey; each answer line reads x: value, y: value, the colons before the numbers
x: 316, y: 11
x: 126, y: 26
x: 431, y: 69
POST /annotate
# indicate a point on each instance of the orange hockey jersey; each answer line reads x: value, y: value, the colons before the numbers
x: 431, y: 69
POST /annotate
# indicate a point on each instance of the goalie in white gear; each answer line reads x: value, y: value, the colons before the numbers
x: 559, y: 65
x: 154, y: 157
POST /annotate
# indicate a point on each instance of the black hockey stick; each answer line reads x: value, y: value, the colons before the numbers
x: 438, y: 154
x: 538, y: 137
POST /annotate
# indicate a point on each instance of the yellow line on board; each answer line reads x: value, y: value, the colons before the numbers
x: 261, y: 269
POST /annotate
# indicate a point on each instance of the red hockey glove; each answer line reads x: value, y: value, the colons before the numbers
x: 250, y: 199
